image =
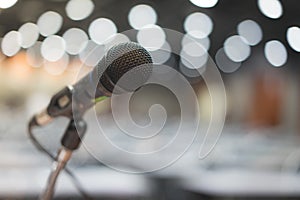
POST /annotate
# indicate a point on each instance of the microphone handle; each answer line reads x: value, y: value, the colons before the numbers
x: 74, y: 99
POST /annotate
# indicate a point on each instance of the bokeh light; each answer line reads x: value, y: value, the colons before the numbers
x: 53, y: 48
x: 193, y: 55
x: 151, y: 37
x: 58, y: 67
x: 142, y: 15
x: 275, y: 53
x: 194, y: 49
x: 29, y: 34
x: 49, y: 23
x: 116, y: 39
x: 11, y: 43
x: 75, y: 39
x: 161, y: 55
x: 251, y: 31
x: 79, y: 9
x: 7, y: 3
x: 293, y: 38
x: 205, y: 42
x: 101, y: 29
x: 270, y: 8
x: 236, y: 48
x: 190, y: 72
x: 198, y: 25
x: 92, y: 53
x: 204, y: 3
x: 224, y: 63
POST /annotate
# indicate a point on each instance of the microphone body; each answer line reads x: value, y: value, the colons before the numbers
x: 72, y: 101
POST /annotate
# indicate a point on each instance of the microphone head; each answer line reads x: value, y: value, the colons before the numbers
x: 121, y: 59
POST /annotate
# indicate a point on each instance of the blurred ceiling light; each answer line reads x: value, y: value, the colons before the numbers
x: 75, y: 39
x: 275, y: 53
x: 151, y: 37
x: 204, y: 3
x: 205, y: 42
x: 270, y: 8
x: 33, y: 55
x: 11, y: 43
x: 142, y: 15
x: 293, y: 37
x: 92, y: 53
x: 101, y: 29
x: 116, y: 39
x: 194, y: 49
x: 79, y: 9
x: 198, y: 25
x: 53, y: 48
x: 29, y: 34
x: 160, y: 56
x: 193, y: 55
x: 7, y: 3
x: 49, y: 23
x: 190, y: 72
x: 58, y: 67
x: 224, y: 63
x: 236, y: 48
x: 251, y: 31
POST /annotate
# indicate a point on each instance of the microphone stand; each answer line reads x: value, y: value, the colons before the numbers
x: 70, y: 142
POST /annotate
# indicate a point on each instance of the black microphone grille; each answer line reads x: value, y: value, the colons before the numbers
x: 122, y: 58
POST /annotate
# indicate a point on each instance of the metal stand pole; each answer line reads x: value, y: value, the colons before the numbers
x: 70, y: 141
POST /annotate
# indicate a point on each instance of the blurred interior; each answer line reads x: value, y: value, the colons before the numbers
x: 255, y: 45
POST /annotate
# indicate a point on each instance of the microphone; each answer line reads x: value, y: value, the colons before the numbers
x: 72, y: 101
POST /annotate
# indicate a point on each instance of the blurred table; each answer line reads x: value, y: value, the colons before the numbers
x: 242, y: 164
x: 243, y: 184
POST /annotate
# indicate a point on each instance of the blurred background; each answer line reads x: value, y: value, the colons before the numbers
x: 255, y: 44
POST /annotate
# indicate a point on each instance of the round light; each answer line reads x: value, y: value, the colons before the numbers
x: 204, y: 3
x: 193, y: 62
x: 7, y: 3
x: 251, y: 31
x: 29, y: 34
x: 224, y: 63
x: 58, y: 67
x: 236, y: 48
x: 75, y: 39
x: 193, y: 55
x: 205, y: 42
x: 49, y: 23
x: 151, y: 37
x: 33, y: 55
x: 198, y: 25
x: 116, y: 39
x: 53, y: 48
x: 92, y: 53
x: 142, y: 15
x: 79, y: 9
x: 161, y: 55
x: 101, y: 29
x: 270, y: 8
x: 11, y: 43
x: 194, y: 49
x: 190, y: 72
x: 275, y: 53
x: 293, y: 38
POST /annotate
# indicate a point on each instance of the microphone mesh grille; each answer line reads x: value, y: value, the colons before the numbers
x: 122, y: 58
